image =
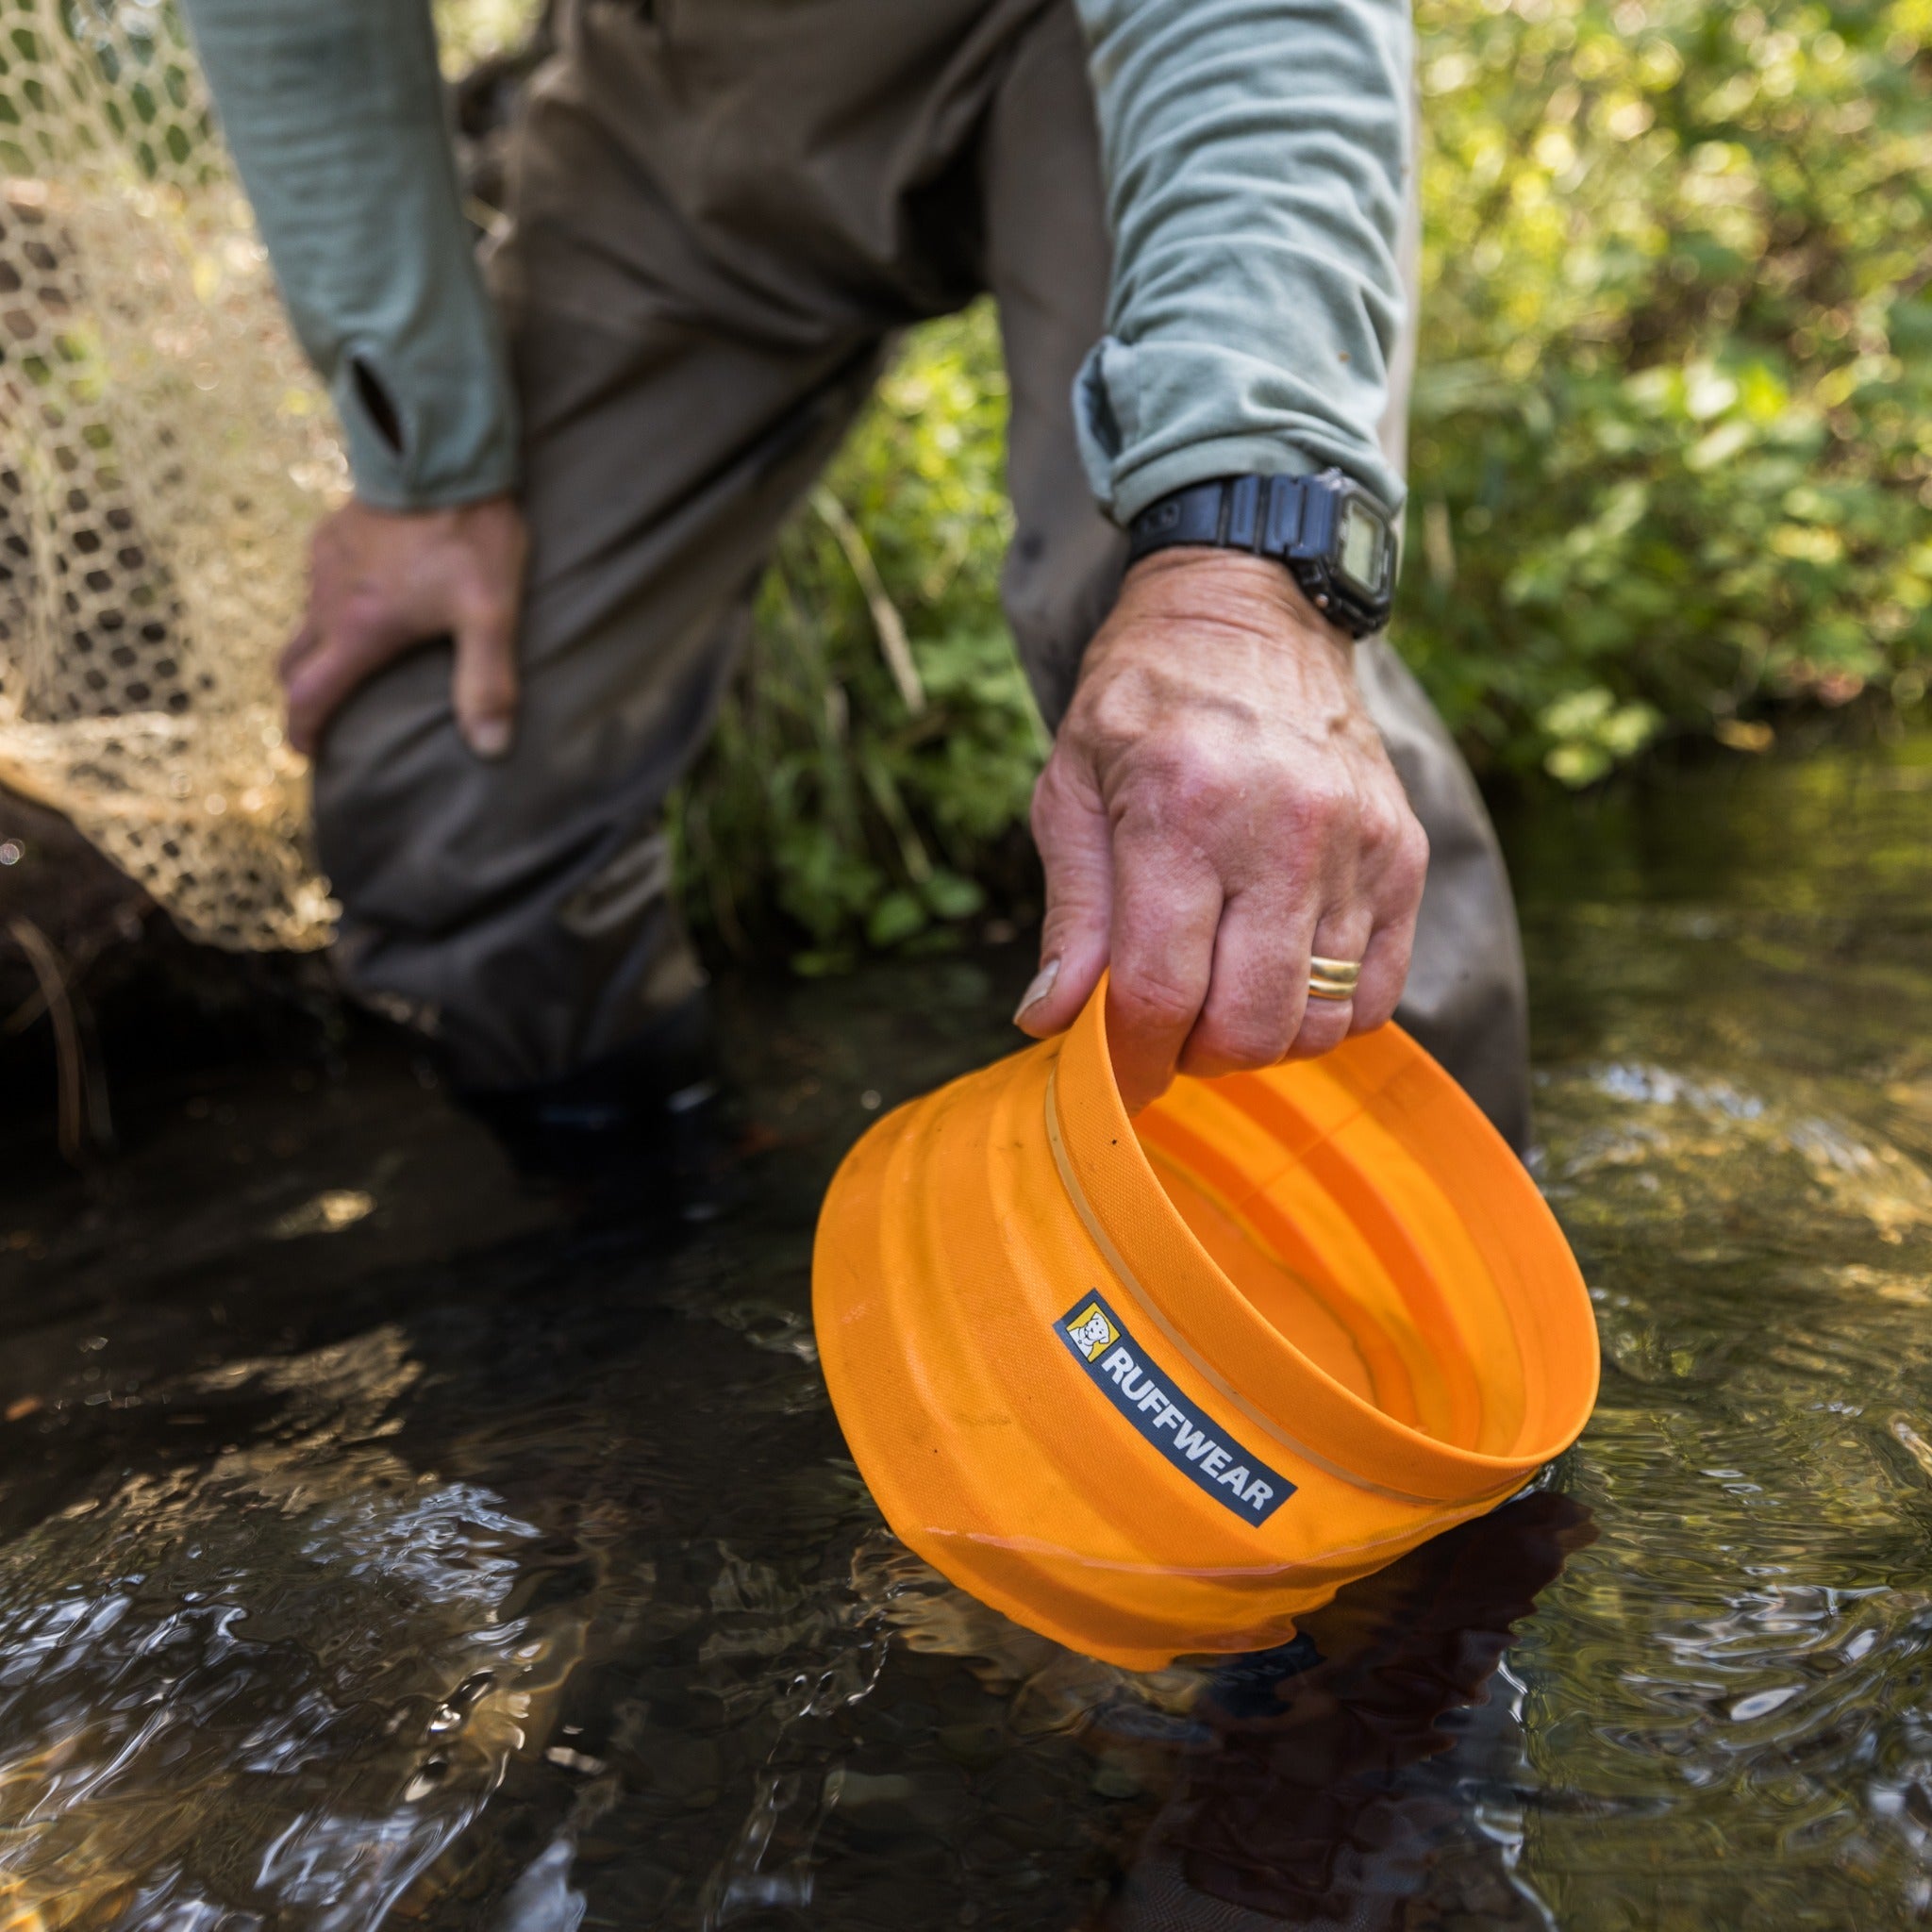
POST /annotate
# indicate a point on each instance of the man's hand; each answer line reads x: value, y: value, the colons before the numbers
x: 381, y: 583
x: 1217, y: 808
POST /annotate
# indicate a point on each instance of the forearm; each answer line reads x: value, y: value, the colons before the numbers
x: 334, y: 112
x: 1256, y: 154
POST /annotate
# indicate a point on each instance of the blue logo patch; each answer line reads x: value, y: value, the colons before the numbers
x: 1202, y: 1450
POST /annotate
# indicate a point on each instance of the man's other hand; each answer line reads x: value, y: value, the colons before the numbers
x: 1218, y: 807
x: 380, y: 583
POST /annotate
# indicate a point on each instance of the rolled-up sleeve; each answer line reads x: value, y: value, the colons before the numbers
x: 334, y: 110
x: 1256, y: 156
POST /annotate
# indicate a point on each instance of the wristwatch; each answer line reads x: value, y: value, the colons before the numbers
x: 1337, y: 540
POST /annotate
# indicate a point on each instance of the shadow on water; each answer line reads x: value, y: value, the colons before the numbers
x: 369, y: 1556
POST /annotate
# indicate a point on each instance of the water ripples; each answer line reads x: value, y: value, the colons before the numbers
x: 269, y: 1689
x: 342, y: 1586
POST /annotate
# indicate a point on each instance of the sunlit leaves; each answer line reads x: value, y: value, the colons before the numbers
x: 825, y: 798
x: 1671, y: 459
x: 1676, y: 264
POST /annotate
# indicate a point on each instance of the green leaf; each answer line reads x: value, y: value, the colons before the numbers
x: 896, y: 917
x: 949, y: 896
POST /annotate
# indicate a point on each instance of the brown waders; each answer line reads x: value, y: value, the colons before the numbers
x: 721, y: 214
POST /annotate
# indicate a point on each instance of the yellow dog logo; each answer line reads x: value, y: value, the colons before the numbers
x: 1092, y: 1333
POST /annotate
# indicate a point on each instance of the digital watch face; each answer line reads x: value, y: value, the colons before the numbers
x: 1363, y: 561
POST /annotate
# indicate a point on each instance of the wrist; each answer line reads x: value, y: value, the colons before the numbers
x: 1231, y: 590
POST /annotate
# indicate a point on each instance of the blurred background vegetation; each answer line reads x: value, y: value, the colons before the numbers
x: 1672, y: 470
x: 1671, y: 459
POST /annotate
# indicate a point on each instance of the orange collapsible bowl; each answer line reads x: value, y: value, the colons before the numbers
x: 1154, y: 1386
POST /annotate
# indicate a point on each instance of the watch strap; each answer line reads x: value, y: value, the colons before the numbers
x: 1290, y: 519
x: 1264, y: 514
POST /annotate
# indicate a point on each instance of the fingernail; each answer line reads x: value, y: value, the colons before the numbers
x: 489, y: 737
x: 1041, y: 986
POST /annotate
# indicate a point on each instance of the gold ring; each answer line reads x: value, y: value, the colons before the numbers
x: 1333, y: 979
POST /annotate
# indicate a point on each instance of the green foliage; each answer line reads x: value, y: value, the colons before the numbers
x: 1672, y: 459
x: 863, y: 806
x: 1673, y: 448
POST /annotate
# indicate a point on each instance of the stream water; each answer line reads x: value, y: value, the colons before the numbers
x: 370, y: 1555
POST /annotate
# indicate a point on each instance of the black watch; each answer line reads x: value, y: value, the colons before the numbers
x: 1338, y: 541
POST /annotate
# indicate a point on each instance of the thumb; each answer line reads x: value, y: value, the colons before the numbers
x: 484, y: 685
x: 1075, y: 839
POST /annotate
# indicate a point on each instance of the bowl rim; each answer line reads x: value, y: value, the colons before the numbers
x: 1381, y: 1452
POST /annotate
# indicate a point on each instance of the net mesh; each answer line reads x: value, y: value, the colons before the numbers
x: 163, y: 452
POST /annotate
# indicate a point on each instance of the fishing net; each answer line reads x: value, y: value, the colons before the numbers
x: 163, y: 452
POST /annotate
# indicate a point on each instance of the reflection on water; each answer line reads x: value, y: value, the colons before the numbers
x: 288, y: 1671
x: 1340, y: 1771
x: 370, y: 1557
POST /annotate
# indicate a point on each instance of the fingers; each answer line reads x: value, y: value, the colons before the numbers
x: 484, y: 685
x: 381, y: 583
x: 1204, y: 981
x: 1375, y: 929
x: 1346, y: 934
x: 1259, y: 1008
x: 1385, y: 969
x: 1076, y: 841
x: 317, y: 680
x: 1167, y: 910
x: 1256, y: 1001
x: 320, y: 669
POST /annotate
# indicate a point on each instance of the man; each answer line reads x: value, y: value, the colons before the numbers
x: 721, y: 211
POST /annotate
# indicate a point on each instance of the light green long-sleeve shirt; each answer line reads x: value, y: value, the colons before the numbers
x: 1254, y: 154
